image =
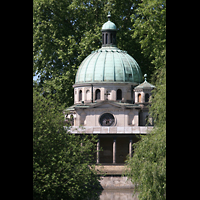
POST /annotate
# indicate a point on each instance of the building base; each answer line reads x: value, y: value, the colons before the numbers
x: 110, y: 182
x: 119, y: 194
x: 113, y: 178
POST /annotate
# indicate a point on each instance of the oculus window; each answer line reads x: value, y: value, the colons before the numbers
x: 107, y: 119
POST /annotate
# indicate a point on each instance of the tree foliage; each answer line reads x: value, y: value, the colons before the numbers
x: 64, y: 33
x: 150, y: 27
x: 62, y: 167
x: 147, y: 167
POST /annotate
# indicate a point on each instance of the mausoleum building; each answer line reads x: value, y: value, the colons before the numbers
x: 111, y: 99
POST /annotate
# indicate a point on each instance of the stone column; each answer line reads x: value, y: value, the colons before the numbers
x: 98, y: 147
x: 78, y: 119
x: 136, y: 118
x: 103, y: 96
x: 130, y: 147
x: 114, y: 150
x: 142, y: 97
x: 114, y: 95
x: 136, y: 97
x: 83, y: 94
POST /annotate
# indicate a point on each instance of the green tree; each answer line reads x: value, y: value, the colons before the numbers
x: 62, y: 167
x: 65, y: 32
x: 147, y: 167
x: 150, y: 27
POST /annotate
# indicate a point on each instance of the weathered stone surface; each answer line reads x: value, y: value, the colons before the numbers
x: 104, y: 130
x: 111, y: 169
x: 113, y: 130
x: 115, y: 182
x: 96, y: 129
x: 124, y: 194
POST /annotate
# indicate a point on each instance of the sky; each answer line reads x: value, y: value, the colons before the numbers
x: 35, y: 78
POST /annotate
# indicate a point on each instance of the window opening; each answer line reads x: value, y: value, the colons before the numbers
x: 107, y: 119
x: 80, y: 95
x: 119, y: 94
x: 147, y: 97
x: 139, y: 98
x: 97, y: 94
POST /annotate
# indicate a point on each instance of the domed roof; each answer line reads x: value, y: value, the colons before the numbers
x: 109, y: 64
x: 109, y: 25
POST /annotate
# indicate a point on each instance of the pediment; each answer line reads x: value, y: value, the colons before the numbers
x: 106, y: 104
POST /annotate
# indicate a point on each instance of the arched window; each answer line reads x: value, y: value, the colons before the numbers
x: 119, y: 94
x: 80, y: 95
x: 111, y: 38
x: 106, y: 38
x: 97, y: 94
x: 103, y: 38
x: 139, y: 98
x: 146, y: 97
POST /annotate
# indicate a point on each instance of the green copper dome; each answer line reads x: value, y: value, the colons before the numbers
x: 109, y: 25
x: 109, y: 64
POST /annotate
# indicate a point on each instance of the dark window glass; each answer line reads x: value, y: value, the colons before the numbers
x: 97, y: 94
x: 147, y: 97
x: 119, y: 94
x: 80, y: 95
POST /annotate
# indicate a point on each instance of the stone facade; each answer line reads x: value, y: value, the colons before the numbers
x: 116, y: 182
x: 118, y: 194
x: 88, y: 89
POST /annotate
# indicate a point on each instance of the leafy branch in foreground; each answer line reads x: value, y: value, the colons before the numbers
x: 62, y: 167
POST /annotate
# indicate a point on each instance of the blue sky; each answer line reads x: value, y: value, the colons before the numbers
x: 35, y: 78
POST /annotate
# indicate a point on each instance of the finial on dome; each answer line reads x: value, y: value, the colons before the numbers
x: 109, y: 15
x: 145, y: 77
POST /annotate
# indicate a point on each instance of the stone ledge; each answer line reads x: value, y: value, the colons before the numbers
x: 107, y: 130
x: 110, y: 169
x: 116, y: 183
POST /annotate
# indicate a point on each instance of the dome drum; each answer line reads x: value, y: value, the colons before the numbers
x: 91, y: 92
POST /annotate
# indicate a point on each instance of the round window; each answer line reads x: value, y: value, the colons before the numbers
x: 107, y: 119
